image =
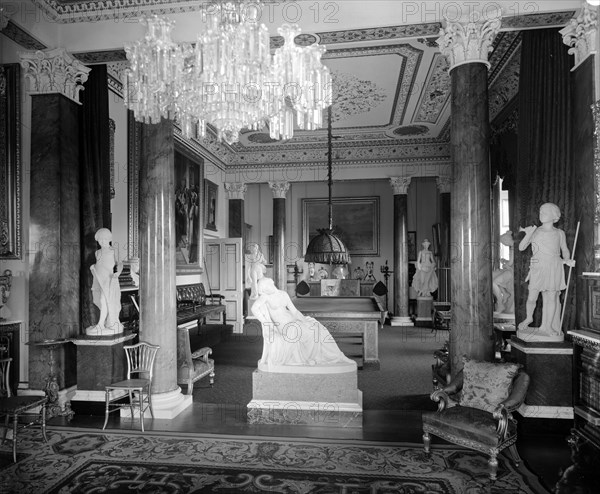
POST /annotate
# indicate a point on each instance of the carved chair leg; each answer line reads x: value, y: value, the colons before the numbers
x: 493, y: 466
x: 211, y: 377
x: 512, y: 450
x: 106, y: 410
x: 426, y: 442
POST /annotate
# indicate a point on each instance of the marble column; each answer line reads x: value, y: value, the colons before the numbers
x: 467, y: 45
x: 401, y: 316
x: 279, y: 266
x: 237, y: 223
x: 54, y: 80
x: 158, y: 310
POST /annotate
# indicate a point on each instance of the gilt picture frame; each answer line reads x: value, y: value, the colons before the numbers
x: 188, y: 211
x: 210, y: 205
x: 10, y: 162
x: 355, y: 222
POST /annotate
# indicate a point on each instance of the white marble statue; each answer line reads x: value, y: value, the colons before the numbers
x: 503, y: 279
x: 291, y: 338
x: 255, y: 268
x: 106, y: 290
x: 425, y: 280
x: 546, y: 274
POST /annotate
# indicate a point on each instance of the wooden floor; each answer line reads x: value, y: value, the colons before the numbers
x: 542, y: 443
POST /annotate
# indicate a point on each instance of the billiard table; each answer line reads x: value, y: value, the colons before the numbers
x: 348, y: 315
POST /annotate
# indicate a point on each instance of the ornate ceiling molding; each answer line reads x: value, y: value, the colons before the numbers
x: 506, y: 86
x: 21, y: 37
x: 54, y: 71
x: 436, y: 91
x: 406, y: 78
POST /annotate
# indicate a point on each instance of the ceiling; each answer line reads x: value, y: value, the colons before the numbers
x: 391, y: 83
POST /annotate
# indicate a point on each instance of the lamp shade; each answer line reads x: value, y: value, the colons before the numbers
x: 326, y: 248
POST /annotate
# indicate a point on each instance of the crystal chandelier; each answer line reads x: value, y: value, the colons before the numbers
x: 228, y: 77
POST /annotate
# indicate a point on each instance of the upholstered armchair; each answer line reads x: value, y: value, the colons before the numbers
x: 480, y: 417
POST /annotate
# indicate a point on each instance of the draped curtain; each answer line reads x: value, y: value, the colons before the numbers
x: 543, y: 173
x: 94, y: 179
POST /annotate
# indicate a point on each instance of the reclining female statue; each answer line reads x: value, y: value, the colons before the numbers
x: 291, y: 338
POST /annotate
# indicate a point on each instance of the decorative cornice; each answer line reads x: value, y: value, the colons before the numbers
x: 469, y: 42
x: 3, y: 19
x: 54, y: 71
x: 444, y: 184
x: 400, y: 184
x: 279, y: 189
x: 585, y: 339
x: 236, y: 190
x: 580, y: 34
x: 22, y: 37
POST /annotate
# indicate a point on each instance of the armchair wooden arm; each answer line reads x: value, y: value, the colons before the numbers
x: 442, y: 396
x: 202, y: 354
x: 518, y: 393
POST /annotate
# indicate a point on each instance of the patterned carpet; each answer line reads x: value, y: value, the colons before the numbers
x: 84, y: 462
x: 402, y: 383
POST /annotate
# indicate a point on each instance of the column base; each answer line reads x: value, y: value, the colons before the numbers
x: 306, y: 413
x: 401, y: 321
x: 164, y: 405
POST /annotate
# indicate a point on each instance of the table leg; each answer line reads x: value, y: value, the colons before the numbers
x: 14, y: 438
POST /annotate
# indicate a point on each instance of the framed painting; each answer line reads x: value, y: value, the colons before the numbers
x: 188, y: 212
x: 355, y: 222
x: 210, y: 205
x: 411, y: 246
x: 10, y: 162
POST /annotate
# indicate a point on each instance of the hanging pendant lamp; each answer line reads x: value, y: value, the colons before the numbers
x: 327, y: 248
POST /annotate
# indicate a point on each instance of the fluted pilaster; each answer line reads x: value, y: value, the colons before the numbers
x: 400, y: 188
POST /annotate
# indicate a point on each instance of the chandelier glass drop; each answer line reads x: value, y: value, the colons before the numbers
x: 228, y: 78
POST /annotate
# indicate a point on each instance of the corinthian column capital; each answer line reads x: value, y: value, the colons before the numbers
x: 581, y: 32
x: 236, y: 190
x: 471, y: 41
x: 279, y: 189
x: 400, y: 184
x: 54, y: 71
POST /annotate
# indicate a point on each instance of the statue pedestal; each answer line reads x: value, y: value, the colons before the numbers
x: 100, y: 361
x: 549, y: 364
x: 307, y: 395
x: 424, y: 310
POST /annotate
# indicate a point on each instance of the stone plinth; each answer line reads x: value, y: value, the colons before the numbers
x: 318, y: 397
x: 100, y: 361
x: 424, y: 310
x: 550, y: 367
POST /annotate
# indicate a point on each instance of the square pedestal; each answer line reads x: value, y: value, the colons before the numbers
x: 317, y: 399
x: 100, y: 361
x: 424, y: 311
x: 549, y: 366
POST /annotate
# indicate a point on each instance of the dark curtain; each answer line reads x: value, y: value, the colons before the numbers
x: 543, y: 173
x: 94, y: 179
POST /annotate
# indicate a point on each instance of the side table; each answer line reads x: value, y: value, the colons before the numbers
x: 51, y: 389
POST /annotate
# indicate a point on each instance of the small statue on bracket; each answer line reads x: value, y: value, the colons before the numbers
x: 106, y: 291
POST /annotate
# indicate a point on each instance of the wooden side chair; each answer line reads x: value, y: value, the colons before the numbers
x: 482, y: 420
x: 140, y: 363
x: 18, y: 412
